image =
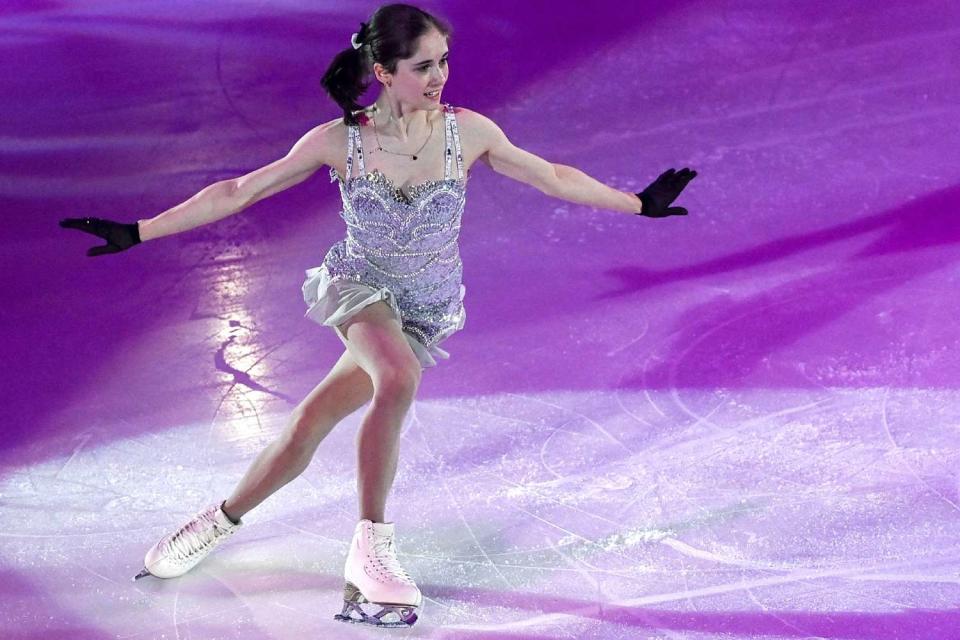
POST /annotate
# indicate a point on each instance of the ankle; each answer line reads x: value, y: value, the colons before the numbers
x: 230, y: 516
x: 374, y: 517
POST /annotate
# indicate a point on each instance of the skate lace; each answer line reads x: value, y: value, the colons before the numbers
x: 195, y: 536
x: 386, y: 554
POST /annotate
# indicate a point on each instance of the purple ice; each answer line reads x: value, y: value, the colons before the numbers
x: 743, y: 423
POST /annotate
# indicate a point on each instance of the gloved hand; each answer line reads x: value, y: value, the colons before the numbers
x: 656, y: 198
x: 119, y: 236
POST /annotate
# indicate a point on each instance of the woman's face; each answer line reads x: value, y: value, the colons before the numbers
x: 424, y: 72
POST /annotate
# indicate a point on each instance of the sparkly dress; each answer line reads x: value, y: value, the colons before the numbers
x: 400, y: 248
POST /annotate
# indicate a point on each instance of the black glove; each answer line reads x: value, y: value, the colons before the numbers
x: 118, y: 236
x: 656, y: 198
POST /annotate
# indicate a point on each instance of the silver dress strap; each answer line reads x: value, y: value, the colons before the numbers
x: 448, y: 152
x: 453, y: 135
x: 346, y: 178
x: 358, y: 145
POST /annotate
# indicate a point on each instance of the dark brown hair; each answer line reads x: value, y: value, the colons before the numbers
x: 389, y: 36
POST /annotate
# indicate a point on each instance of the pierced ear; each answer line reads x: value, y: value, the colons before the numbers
x: 380, y: 75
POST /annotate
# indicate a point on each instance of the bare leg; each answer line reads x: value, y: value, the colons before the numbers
x: 375, y: 340
x: 345, y: 389
x: 378, y: 449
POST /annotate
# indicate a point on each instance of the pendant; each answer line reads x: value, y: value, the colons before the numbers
x: 414, y: 157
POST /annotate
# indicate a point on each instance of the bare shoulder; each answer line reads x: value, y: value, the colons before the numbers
x: 474, y: 123
x: 480, y: 134
x: 314, y: 149
x: 325, y: 140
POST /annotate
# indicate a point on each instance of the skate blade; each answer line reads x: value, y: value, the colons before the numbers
x: 407, y: 622
x: 404, y: 616
x: 142, y: 574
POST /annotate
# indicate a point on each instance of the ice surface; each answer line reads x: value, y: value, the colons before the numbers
x: 739, y: 424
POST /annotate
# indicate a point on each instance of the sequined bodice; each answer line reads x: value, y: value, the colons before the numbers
x: 405, y: 240
x: 394, y: 229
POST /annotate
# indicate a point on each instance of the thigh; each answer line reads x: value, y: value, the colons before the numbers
x: 375, y: 340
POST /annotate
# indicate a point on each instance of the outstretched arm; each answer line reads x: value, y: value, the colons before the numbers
x: 569, y: 183
x: 218, y: 200
x: 572, y: 184
x: 227, y: 197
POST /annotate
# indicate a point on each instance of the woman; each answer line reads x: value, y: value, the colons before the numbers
x: 391, y: 289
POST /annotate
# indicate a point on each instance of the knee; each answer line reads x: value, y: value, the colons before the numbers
x: 397, y: 383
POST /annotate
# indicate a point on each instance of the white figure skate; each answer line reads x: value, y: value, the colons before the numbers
x: 374, y: 576
x: 180, y: 551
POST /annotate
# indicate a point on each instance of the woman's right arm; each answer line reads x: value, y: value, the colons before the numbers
x: 227, y: 197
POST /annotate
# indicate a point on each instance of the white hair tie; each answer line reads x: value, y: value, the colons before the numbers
x: 354, y: 40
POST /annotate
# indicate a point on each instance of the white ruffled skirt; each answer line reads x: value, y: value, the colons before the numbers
x: 333, y: 302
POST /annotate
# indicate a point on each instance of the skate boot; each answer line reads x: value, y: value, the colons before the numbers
x: 374, y: 577
x: 180, y: 551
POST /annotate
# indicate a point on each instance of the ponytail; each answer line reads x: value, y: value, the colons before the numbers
x: 389, y: 36
x: 346, y: 79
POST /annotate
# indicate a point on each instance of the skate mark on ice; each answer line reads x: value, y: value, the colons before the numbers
x: 675, y: 596
x: 676, y: 363
x: 778, y: 142
x: 424, y: 439
x: 907, y: 577
x: 672, y: 388
x: 176, y: 604
x: 702, y: 554
x: 732, y: 115
x: 629, y: 574
x: 646, y: 388
x: 531, y: 487
x: 686, y: 586
x: 856, y: 471
x: 122, y: 585
x: 573, y: 534
x: 701, y: 442
x: 313, y: 534
x: 646, y: 393
x: 226, y: 94
x: 698, y: 419
x: 893, y: 604
x: 348, y: 515
x: 506, y: 418
x: 790, y: 578
x: 643, y: 332
x: 773, y: 614
x: 590, y: 420
x: 575, y: 565
x: 619, y: 400
x: 158, y: 633
x: 63, y: 536
x: 784, y: 67
x: 300, y: 612
x: 546, y: 443
x: 900, y: 457
x: 654, y: 486
x: 84, y: 439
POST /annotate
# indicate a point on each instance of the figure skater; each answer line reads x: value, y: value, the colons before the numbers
x: 391, y: 289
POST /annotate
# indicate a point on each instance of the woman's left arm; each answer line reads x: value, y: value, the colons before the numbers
x: 557, y: 180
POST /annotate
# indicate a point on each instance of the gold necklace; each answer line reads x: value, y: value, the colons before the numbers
x: 397, y: 153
